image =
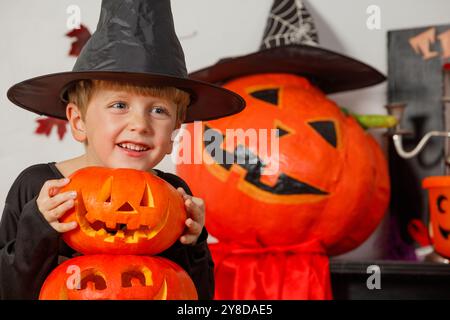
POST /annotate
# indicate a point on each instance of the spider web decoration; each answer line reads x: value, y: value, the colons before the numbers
x: 289, y: 23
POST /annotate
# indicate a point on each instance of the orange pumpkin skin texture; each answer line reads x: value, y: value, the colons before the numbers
x: 332, y: 183
x: 123, y: 211
x: 118, y: 277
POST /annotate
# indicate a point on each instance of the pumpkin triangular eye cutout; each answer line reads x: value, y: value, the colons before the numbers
x: 93, y: 280
x: 267, y: 95
x: 281, y: 132
x: 105, y: 191
x: 81, y: 206
x: 147, y: 198
x: 137, y: 277
x: 326, y: 129
x: 133, y: 279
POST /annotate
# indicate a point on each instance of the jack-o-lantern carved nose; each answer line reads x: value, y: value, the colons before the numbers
x: 126, y: 207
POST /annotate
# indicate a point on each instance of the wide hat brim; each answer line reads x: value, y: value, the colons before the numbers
x: 45, y: 95
x: 328, y: 70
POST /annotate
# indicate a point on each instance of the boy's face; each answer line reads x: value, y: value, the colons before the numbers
x: 128, y: 130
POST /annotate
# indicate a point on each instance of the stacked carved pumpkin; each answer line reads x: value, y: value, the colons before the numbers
x: 123, y: 216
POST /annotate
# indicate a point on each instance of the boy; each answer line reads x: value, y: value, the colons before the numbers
x: 127, y: 93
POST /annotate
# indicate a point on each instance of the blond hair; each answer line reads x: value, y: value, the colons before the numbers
x: 81, y: 92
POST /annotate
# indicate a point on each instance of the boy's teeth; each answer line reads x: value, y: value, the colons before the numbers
x: 132, y: 147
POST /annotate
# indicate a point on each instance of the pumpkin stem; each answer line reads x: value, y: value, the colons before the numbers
x: 367, y: 121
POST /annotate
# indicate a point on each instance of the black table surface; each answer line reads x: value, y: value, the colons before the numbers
x: 397, y: 280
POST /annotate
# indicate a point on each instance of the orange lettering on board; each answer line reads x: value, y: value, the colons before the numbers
x: 444, y: 38
x: 421, y: 43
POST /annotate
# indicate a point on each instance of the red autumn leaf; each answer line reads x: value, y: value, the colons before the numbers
x: 82, y: 35
x: 46, y: 125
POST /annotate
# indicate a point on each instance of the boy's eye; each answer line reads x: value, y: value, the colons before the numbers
x: 119, y: 105
x: 160, y: 111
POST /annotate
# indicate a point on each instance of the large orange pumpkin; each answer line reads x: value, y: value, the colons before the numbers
x: 332, y: 182
x: 123, y: 211
x: 118, y: 277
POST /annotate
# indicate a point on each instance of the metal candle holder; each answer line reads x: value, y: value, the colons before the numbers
x: 398, y: 109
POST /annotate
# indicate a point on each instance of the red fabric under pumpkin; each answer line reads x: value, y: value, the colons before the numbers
x: 295, y: 272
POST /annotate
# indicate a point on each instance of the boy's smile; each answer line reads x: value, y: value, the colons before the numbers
x: 127, y: 130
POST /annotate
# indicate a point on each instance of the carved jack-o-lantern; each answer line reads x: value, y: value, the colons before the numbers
x: 331, y: 184
x: 118, y: 277
x: 439, y: 196
x: 123, y: 211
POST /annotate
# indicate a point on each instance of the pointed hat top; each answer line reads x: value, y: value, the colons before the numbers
x: 291, y: 45
x: 135, y: 42
x: 289, y: 22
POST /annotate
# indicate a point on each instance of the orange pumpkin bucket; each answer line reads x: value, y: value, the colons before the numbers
x: 438, y: 196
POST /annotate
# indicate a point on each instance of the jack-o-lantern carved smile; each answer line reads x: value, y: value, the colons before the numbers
x: 123, y: 211
x: 121, y: 277
x: 242, y: 156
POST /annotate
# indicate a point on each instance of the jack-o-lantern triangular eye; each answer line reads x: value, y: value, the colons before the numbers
x: 440, y: 200
x: 281, y: 132
x: 137, y: 277
x: 147, y: 198
x: 105, y: 192
x: 93, y: 280
x: 326, y: 129
x: 267, y: 95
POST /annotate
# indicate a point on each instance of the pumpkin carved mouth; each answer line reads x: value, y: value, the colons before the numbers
x: 444, y: 233
x: 253, y: 166
x: 120, y: 231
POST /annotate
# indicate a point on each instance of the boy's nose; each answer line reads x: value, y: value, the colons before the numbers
x: 138, y: 123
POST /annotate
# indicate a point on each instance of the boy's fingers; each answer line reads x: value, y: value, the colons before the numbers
x: 188, y: 239
x: 59, y: 211
x: 61, y: 198
x: 194, y: 227
x: 50, y: 187
x: 64, y: 227
x: 183, y: 193
x: 196, y: 209
x: 199, y: 202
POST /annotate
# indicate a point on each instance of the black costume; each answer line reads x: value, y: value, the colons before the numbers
x: 30, y: 247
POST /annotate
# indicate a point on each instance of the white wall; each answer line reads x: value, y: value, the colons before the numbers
x: 33, y: 43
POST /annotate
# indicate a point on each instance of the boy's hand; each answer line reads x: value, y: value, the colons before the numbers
x: 53, y: 205
x: 195, y: 208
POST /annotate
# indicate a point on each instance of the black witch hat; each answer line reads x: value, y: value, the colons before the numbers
x: 135, y: 42
x: 290, y: 45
